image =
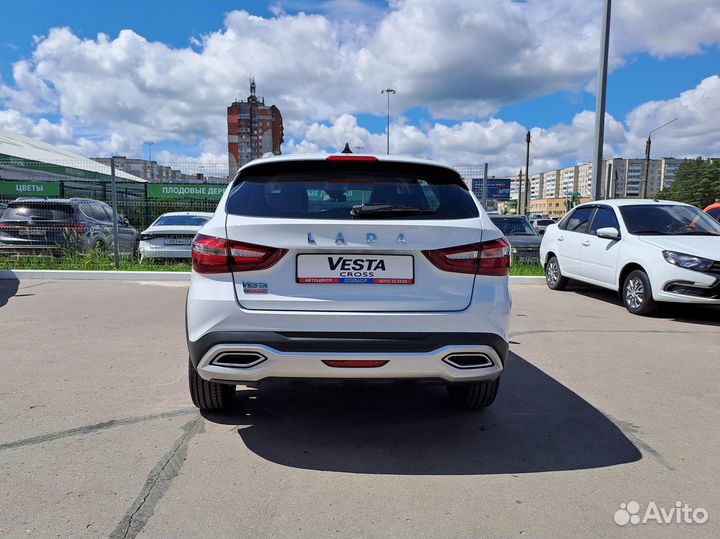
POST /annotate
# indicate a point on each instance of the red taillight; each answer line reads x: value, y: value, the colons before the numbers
x: 209, y: 255
x: 248, y: 257
x: 218, y: 255
x: 495, y: 258
x: 352, y: 158
x: 487, y: 258
x: 350, y: 363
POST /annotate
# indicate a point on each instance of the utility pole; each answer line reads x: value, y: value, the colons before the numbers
x: 520, y: 210
x: 648, y: 143
x: 388, y: 91
x: 485, y: 186
x: 152, y: 169
x: 596, y: 191
x: 527, y: 168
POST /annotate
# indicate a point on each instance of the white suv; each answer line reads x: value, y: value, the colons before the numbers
x: 348, y: 267
x: 648, y: 250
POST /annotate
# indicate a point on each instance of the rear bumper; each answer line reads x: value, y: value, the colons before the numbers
x: 302, y: 355
x: 150, y: 250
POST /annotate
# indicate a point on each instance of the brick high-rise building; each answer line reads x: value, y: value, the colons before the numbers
x: 254, y: 129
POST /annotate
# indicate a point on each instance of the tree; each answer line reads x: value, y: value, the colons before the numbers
x: 697, y: 183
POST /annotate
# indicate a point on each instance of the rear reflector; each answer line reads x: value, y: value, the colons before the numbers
x: 355, y: 363
x: 486, y: 258
x: 365, y: 158
x: 218, y: 255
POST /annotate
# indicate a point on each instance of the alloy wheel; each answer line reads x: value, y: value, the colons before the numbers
x: 553, y: 273
x: 634, y: 293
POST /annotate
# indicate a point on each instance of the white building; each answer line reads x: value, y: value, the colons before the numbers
x: 568, y: 181
x: 26, y: 159
x: 584, y: 179
x: 551, y: 184
x: 536, y: 186
x: 668, y: 172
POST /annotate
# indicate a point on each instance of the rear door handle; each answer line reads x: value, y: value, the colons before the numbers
x: 586, y: 243
x: 561, y: 238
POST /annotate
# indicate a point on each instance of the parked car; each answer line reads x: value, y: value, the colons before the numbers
x: 713, y: 210
x: 348, y: 267
x: 54, y: 226
x: 649, y: 251
x: 541, y: 224
x: 523, y: 238
x: 170, y: 235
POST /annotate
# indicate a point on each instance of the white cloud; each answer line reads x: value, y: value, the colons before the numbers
x: 494, y: 141
x: 694, y: 133
x: 462, y: 59
x: 667, y: 27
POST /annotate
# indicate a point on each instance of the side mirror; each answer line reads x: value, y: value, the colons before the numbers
x: 124, y: 220
x: 609, y: 233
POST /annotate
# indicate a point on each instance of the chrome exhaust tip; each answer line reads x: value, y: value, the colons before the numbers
x: 238, y: 360
x: 469, y: 360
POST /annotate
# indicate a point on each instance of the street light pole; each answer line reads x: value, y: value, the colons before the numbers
x: 152, y: 170
x: 600, y: 104
x: 388, y: 91
x: 646, y: 180
x: 527, y: 170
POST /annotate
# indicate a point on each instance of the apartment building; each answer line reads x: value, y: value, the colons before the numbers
x: 668, y: 171
x: 254, y: 129
x: 151, y: 170
x: 568, y: 181
x: 584, y: 179
x: 536, y: 186
x: 551, y: 184
x: 555, y: 208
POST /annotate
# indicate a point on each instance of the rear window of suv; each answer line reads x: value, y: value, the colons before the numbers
x: 319, y: 190
x: 42, y: 211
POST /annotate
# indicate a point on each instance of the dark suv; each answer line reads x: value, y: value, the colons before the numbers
x: 523, y: 238
x: 53, y: 226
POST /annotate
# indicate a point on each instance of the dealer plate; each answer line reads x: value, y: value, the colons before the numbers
x: 351, y: 268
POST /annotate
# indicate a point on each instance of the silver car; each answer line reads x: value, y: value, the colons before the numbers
x: 171, y: 235
x: 540, y: 225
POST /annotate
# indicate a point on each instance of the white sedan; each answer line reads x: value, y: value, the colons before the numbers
x: 649, y: 251
x: 171, y: 235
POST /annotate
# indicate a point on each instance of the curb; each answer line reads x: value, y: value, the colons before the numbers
x: 528, y: 279
x: 70, y: 275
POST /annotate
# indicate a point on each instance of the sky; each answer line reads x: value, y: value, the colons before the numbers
x: 471, y: 76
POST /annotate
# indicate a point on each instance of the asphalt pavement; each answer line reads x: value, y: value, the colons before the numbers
x: 597, y: 408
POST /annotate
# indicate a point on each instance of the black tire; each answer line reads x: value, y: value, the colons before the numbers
x: 637, y: 294
x: 209, y: 396
x: 475, y: 395
x: 553, y: 277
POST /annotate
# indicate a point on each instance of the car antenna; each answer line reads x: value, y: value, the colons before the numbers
x: 347, y: 149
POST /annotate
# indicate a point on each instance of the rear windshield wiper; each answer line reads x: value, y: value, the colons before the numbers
x: 374, y: 209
